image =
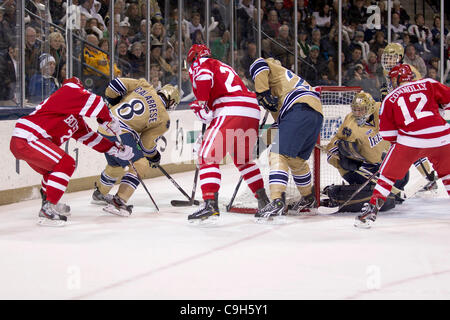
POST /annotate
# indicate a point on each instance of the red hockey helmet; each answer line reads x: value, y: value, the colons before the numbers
x: 198, y: 51
x: 74, y: 80
x: 402, y: 73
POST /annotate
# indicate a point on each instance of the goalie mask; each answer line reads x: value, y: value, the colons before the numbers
x: 363, y: 106
x: 392, y: 55
x: 171, y: 95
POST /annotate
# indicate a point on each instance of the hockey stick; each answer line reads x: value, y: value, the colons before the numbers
x: 181, y: 203
x: 137, y: 174
x: 236, y: 189
x: 176, y: 184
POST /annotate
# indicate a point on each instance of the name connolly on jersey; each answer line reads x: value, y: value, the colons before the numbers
x: 411, y: 88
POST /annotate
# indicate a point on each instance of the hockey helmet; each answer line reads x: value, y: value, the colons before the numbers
x: 363, y: 106
x: 172, y: 95
x: 401, y: 73
x: 73, y: 80
x: 198, y: 51
x: 392, y: 55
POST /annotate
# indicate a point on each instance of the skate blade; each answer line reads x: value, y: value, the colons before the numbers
x: 363, y: 225
x: 211, y: 221
x: 118, y: 212
x: 99, y: 202
x: 303, y: 213
x: 275, y: 220
x: 44, y: 222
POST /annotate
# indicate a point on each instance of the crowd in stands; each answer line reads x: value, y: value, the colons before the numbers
x: 363, y: 43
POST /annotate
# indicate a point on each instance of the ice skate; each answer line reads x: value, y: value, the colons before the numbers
x: 50, y: 217
x: 207, y: 214
x: 275, y: 211
x: 101, y: 199
x: 62, y: 208
x: 118, y: 207
x: 367, y: 216
x: 305, y: 205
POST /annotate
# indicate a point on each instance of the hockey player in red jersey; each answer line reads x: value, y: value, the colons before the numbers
x: 232, y: 114
x: 37, y: 138
x: 410, y: 120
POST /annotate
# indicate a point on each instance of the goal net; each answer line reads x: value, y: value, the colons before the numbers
x: 336, y: 103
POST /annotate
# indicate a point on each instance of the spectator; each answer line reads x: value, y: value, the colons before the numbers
x: 313, y: 66
x: 248, y: 58
x: 323, y: 18
x: 355, y: 58
x: 433, y: 74
x: 186, y: 85
x: 124, y: 28
x: 57, y: 11
x: 284, y: 16
x: 43, y: 84
x: 57, y: 50
x: 245, y: 15
x: 158, y: 32
x: 378, y: 42
x: 282, y: 53
x: 8, y: 76
x: 358, y: 13
x: 123, y: 62
x: 197, y: 37
x: 271, y: 26
x: 137, y: 60
x: 415, y: 60
x: 333, y: 67
x: 156, y: 57
x: 195, y: 25
x: 92, y: 26
x: 303, y: 44
x: 142, y: 34
x: 32, y: 53
x: 358, y: 41
x: 397, y: 28
x: 134, y: 18
x: 4, y: 32
x: 420, y: 34
x: 155, y: 11
x: 220, y: 47
x: 403, y: 15
x: 62, y: 74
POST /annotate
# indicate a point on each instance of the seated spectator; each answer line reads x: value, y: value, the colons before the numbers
x: 155, y: 10
x: 123, y: 62
x: 57, y: 11
x: 62, y: 75
x: 156, y: 57
x: 397, y: 29
x: 323, y: 18
x: 32, y: 53
x: 142, y: 34
x: 436, y: 36
x: 358, y: 13
x: 134, y: 18
x: 403, y: 15
x: 124, y: 28
x: 282, y: 53
x: 137, y: 60
x: 158, y: 32
x: 92, y: 26
x: 186, y: 85
x: 5, y: 32
x: 378, y: 42
x: 433, y: 74
x: 195, y: 25
x: 355, y: 58
x: 420, y: 34
x: 415, y: 60
x: 303, y: 44
x: 358, y: 77
x: 43, y: 84
x: 324, y: 80
x: 358, y: 41
x: 57, y: 46
x: 245, y: 15
x: 312, y: 66
x: 9, y: 63
x: 271, y: 25
x: 197, y: 37
x: 248, y: 58
x: 284, y: 16
x: 220, y: 47
x: 100, y: 63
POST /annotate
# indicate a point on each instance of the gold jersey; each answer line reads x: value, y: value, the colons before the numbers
x: 370, y: 143
x: 284, y: 84
x: 141, y: 111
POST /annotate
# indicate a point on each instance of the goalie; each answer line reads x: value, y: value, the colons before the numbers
x: 142, y: 111
x: 357, y: 150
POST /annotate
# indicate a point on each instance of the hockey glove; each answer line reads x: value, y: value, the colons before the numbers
x: 123, y: 152
x: 384, y: 91
x: 202, y: 113
x: 268, y: 101
x: 113, y: 101
x: 155, y: 160
x: 113, y: 126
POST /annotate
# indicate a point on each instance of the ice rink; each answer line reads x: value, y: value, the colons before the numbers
x: 150, y: 255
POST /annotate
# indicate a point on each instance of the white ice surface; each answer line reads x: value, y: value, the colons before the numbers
x: 406, y: 255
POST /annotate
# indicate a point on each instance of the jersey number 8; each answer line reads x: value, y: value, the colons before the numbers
x: 128, y: 110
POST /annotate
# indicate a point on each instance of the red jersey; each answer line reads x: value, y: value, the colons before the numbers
x: 60, y: 117
x: 223, y: 90
x: 409, y: 115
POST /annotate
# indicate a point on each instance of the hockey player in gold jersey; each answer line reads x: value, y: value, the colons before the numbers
x: 393, y: 55
x: 143, y: 116
x: 297, y: 111
x: 358, y: 146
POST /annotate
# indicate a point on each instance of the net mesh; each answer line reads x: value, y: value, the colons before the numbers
x: 336, y: 103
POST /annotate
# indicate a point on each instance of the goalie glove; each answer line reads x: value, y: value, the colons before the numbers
x: 112, y: 126
x: 123, y: 152
x: 201, y: 111
x: 268, y: 101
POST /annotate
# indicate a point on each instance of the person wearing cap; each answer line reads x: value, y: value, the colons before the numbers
x: 312, y: 66
x: 124, y: 28
x: 43, y: 84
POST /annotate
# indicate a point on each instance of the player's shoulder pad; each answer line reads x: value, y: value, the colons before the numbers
x: 258, y: 66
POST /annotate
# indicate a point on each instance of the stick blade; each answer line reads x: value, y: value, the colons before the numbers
x: 184, y: 203
x: 327, y: 210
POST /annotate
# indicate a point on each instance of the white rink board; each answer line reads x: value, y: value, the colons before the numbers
x: 174, y: 148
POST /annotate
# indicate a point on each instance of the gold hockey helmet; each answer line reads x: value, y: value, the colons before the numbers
x: 172, y: 95
x: 363, y: 106
x: 392, y: 55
